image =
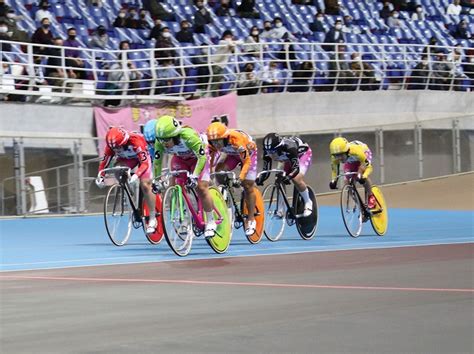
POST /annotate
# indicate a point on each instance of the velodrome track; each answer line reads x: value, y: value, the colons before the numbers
x: 409, y: 291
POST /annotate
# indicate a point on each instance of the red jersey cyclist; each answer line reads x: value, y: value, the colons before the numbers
x: 356, y: 157
x: 233, y: 147
x: 130, y: 150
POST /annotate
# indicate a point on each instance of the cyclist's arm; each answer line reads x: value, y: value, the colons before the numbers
x: 143, y: 157
x: 246, y: 161
x: 158, y: 159
x: 107, y: 158
x: 365, y: 165
x: 194, y: 142
x: 267, y: 165
x: 334, y: 168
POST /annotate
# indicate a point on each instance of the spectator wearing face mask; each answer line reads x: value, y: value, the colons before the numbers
x: 279, y: 31
x: 272, y: 78
x: 100, y: 38
x: 386, y: 10
x: 418, y: 79
x: 246, y: 9
x: 225, y: 9
x: 132, y: 18
x: 121, y: 19
x: 267, y: 30
x: 163, y: 47
x: 253, y: 46
x: 454, y: 8
x: 393, y: 21
x: 348, y: 26
x: 142, y: 22
x: 73, y: 55
x: 202, y: 17
x: 461, y: 31
x: 335, y: 35
x: 247, y: 81
x: 419, y: 14
x: 185, y: 34
x: 43, y: 12
x: 42, y: 35
x: 318, y: 24
x: 156, y: 30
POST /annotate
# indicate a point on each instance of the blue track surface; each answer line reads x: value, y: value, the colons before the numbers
x: 43, y: 243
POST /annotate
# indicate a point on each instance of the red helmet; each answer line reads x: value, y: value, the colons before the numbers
x: 116, y: 137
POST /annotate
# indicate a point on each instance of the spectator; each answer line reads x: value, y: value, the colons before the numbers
x: 120, y: 79
x: 120, y: 20
x: 43, y: 12
x: 142, y: 22
x: 131, y: 20
x: 442, y: 76
x: 156, y: 30
x: 302, y: 78
x: 468, y: 66
x: 419, y: 14
x: 363, y: 71
x: 267, y: 30
x: 386, y: 10
x: 420, y: 74
x: 4, y: 8
x: 461, y: 31
x: 456, y: 58
x: 253, y: 44
x: 73, y: 56
x: 393, y: 21
x: 4, y: 36
x: 201, y: 63
x: 272, y: 78
x: 333, y: 7
x: 279, y: 31
x: 158, y: 11
x: 431, y: 47
x: 185, y: 34
x: 55, y: 74
x: 247, y: 81
x: 202, y: 17
x: 340, y: 71
x: 334, y: 35
x: 317, y: 25
x: 16, y: 33
x: 220, y: 59
x: 348, y: 26
x: 163, y: 47
x: 455, y: 8
x: 225, y: 9
x: 43, y: 36
x: 166, y: 75
x: 246, y: 9
x: 100, y: 38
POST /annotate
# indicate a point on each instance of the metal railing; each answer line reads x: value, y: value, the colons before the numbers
x: 31, y: 72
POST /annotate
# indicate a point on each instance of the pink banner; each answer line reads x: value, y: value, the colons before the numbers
x: 195, y: 113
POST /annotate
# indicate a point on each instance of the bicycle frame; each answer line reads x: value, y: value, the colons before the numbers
x: 228, y: 185
x: 367, y: 212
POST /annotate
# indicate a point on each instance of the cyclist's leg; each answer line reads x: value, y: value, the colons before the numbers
x: 249, y: 193
x: 366, y: 171
x: 298, y: 181
x: 150, y: 198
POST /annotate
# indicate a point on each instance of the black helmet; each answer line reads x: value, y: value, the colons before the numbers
x: 271, y: 141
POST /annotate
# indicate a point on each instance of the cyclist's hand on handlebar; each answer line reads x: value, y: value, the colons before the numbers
x: 333, y: 184
x: 361, y: 179
x: 236, y: 183
x: 133, y: 179
x: 192, y: 181
x: 259, y: 181
x: 100, y: 182
x: 157, y: 186
x: 286, y: 180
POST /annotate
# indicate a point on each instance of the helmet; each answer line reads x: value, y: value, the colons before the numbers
x: 217, y: 130
x: 116, y: 137
x: 149, y: 131
x: 167, y: 127
x: 339, y: 145
x: 271, y: 141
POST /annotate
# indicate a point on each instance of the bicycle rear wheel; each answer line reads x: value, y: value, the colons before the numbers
x: 256, y: 237
x: 177, y: 221
x: 275, y: 212
x: 221, y: 240
x: 156, y: 237
x: 117, y: 215
x: 379, y: 217
x: 351, y: 210
x: 307, y: 226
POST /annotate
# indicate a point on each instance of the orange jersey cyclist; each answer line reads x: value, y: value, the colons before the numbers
x: 230, y: 148
x: 356, y: 157
x: 130, y: 150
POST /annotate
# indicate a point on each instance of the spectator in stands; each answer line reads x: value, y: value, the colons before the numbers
x: 166, y: 74
x: 142, y: 22
x: 419, y: 75
x: 43, y: 12
x: 461, y: 31
x: 201, y: 63
x: 363, y: 71
x: 431, y: 47
x: 246, y: 9
x: 220, y: 59
x: 340, y: 72
x: 272, y: 78
x: 54, y: 73
x: 302, y: 78
x: 386, y: 10
x: 157, y: 10
x: 247, y: 81
x: 16, y: 34
x: 163, y: 47
x: 100, y: 38
x: 131, y: 20
x: 121, y: 19
x: 419, y: 14
x: 253, y: 44
x: 442, y: 77
x: 4, y: 8
x: 202, y: 17
x: 334, y: 35
x: 267, y: 30
x: 225, y: 9
x: 185, y: 34
x: 468, y: 66
x: 455, y: 8
x: 333, y: 7
x: 456, y: 58
x: 393, y: 21
x: 279, y: 31
x: 44, y: 36
x: 156, y: 30
x: 348, y: 25
x: 4, y: 36
x: 74, y: 56
x: 317, y: 25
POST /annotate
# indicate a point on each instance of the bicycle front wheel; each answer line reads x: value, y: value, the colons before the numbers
x: 379, y: 217
x: 177, y: 221
x: 221, y: 240
x: 275, y: 212
x: 351, y: 210
x: 118, y: 215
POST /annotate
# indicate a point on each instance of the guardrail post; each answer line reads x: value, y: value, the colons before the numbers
x: 419, y: 148
x: 456, y: 147
x: 81, y: 200
x: 19, y: 160
x: 380, y: 150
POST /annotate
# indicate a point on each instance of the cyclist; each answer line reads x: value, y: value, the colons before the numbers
x: 356, y: 157
x: 149, y: 132
x: 189, y: 151
x: 131, y: 151
x: 233, y: 147
x: 296, y: 158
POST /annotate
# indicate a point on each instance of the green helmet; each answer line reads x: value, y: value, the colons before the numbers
x: 167, y: 127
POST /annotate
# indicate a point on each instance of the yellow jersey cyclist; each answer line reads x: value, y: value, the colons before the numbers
x: 190, y: 152
x: 356, y: 157
x: 230, y: 148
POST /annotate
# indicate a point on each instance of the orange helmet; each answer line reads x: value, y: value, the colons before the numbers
x: 116, y: 137
x: 217, y: 130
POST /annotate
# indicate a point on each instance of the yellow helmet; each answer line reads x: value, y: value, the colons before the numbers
x: 339, y: 145
x: 217, y: 130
